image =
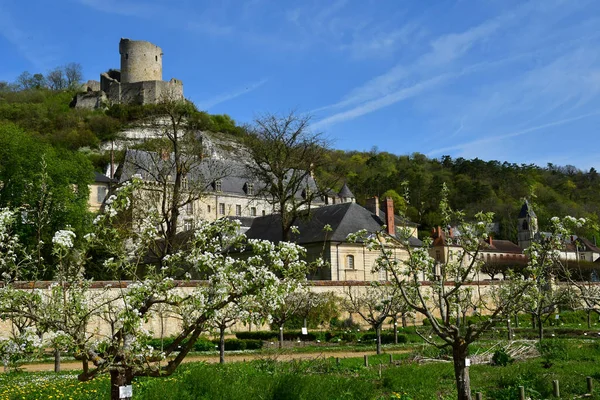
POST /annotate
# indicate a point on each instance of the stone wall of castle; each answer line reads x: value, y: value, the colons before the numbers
x: 140, y: 61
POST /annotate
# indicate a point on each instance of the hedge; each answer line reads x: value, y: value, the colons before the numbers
x: 207, y: 345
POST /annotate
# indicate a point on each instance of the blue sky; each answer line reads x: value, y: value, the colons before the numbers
x: 515, y: 81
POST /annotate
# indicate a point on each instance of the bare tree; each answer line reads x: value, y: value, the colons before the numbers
x: 175, y: 171
x: 56, y: 79
x: 73, y: 75
x: 285, y: 153
x: 374, y: 306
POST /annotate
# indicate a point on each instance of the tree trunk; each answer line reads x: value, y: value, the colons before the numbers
x: 516, y: 320
x: 281, y: 336
x: 540, y: 327
x: 222, y: 344
x: 56, y: 360
x: 532, y: 321
x: 395, y: 330
x: 404, y: 320
x: 461, y: 371
x: 589, y: 318
x: 119, y: 377
x: 378, y: 330
x: 509, y: 328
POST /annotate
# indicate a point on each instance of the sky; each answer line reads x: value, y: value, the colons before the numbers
x: 507, y: 80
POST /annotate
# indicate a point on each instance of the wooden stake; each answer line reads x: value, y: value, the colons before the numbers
x: 366, y: 360
x: 556, y: 388
x: 478, y: 396
x: 590, y: 384
x: 521, y: 392
x: 391, y: 358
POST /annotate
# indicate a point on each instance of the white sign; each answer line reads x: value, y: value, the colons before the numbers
x: 305, y: 331
x: 556, y: 316
x: 125, y: 392
x: 467, y: 362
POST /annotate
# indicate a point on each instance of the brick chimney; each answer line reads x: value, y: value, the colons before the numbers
x: 372, y: 205
x: 389, y: 216
x: 490, y: 241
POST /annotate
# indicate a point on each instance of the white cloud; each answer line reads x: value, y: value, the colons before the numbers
x: 223, y: 97
x: 497, y: 138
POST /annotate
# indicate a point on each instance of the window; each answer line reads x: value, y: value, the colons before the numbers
x: 250, y: 189
x: 582, y: 257
x: 127, y: 56
x: 218, y: 185
x: 188, y: 225
x: 382, y: 275
x: 264, y: 213
x: 184, y: 182
x: 222, y: 208
x: 438, y: 255
x: 450, y: 255
x: 155, y: 58
x: 238, y: 210
x: 253, y: 211
x: 189, y: 208
x: 208, y: 208
x: 101, y: 194
x: 349, y: 262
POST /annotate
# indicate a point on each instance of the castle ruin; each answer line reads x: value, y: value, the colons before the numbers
x: 139, y: 81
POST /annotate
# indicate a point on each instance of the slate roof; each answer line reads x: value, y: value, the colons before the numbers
x: 231, y: 174
x: 345, y: 192
x: 343, y: 218
x: 526, y: 210
x: 101, y: 178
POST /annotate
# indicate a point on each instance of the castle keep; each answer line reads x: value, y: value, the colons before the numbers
x: 139, y: 81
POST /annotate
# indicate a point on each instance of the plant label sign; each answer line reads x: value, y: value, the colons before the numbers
x: 305, y: 331
x: 125, y: 392
x: 467, y: 362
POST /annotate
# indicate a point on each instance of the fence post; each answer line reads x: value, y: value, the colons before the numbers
x: 556, y: 388
x: 366, y: 360
x: 478, y: 396
x: 380, y: 366
x: 391, y: 358
x: 337, y: 361
x: 521, y: 392
x: 590, y: 384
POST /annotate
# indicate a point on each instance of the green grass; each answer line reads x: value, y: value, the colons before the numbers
x: 572, y: 360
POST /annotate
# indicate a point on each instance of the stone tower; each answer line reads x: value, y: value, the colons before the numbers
x: 140, y: 61
x: 527, y: 226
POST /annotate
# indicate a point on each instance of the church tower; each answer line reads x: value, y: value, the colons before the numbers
x: 527, y: 226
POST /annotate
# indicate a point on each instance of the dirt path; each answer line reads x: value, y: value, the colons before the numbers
x: 214, y: 358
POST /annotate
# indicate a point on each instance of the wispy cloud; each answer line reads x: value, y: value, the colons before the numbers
x: 491, y: 139
x: 384, y: 101
x: 221, y: 98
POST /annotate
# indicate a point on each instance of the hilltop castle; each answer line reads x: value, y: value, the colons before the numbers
x: 139, y: 81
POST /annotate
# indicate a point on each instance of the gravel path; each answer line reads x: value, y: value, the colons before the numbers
x: 214, y: 358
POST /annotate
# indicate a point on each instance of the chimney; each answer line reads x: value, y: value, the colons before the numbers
x: 490, y: 241
x: 373, y: 205
x: 389, y: 216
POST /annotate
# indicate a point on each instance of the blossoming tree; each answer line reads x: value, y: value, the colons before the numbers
x: 441, y: 292
x: 268, y: 274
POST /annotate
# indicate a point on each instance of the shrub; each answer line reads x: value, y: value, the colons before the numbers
x: 502, y: 358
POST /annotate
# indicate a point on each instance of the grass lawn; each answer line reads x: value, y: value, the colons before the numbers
x: 571, y: 361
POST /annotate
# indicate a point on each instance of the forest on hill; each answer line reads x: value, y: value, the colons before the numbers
x: 37, y: 123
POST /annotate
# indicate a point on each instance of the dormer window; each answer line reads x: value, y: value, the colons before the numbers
x: 217, y: 185
x: 184, y: 182
x: 249, y: 189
